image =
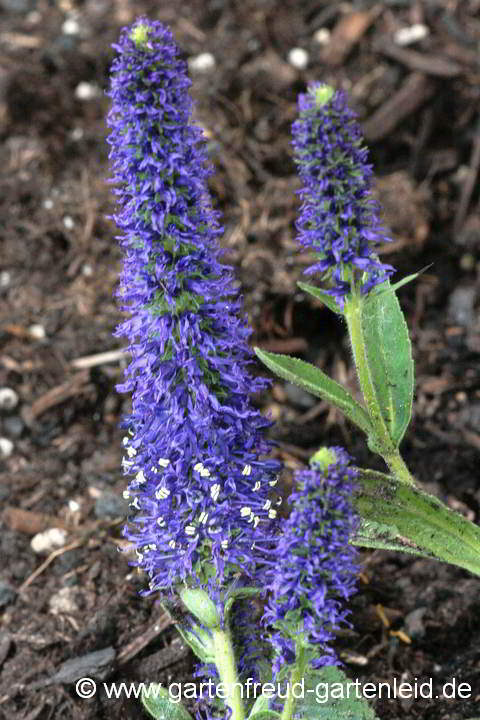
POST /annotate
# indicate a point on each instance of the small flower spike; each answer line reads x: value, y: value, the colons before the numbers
x: 314, y: 567
x: 195, y: 446
x: 339, y: 219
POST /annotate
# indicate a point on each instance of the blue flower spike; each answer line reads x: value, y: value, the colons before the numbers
x: 314, y: 569
x: 339, y: 220
x: 195, y: 448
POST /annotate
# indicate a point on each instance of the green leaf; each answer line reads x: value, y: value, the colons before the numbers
x: 321, y: 295
x: 376, y: 535
x: 265, y: 715
x: 421, y: 522
x: 237, y: 594
x: 330, y: 695
x: 404, y: 281
x: 260, y: 705
x: 388, y: 356
x: 156, y: 701
x: 318, y: 383
x: 200, y: 642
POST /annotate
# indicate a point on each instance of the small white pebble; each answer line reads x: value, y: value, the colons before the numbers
x: 87, y: 270
x: 5, y: 279
x: 37, y: 332
x: 63, y: 602
x: 87, y: 91
x: 411, y: 34
x: 73, y: 506
x: 6, y: 447
x: 71, y: 27
x: 8, y: 398
x: 51, y: 539
x: 48, y: 204
x: 201, y: 63
x: 322, y: 36
x: 77, y: 134
x: 68, y: 222
x: 298, y: 57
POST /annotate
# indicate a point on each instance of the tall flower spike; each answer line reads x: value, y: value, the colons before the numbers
x: 314, y: 568
x: 195, y: 444
x: 338, y: 219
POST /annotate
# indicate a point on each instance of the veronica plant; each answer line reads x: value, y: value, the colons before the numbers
x: 263, y: 588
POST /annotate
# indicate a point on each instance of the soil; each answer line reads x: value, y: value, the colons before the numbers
x: 61, y: 443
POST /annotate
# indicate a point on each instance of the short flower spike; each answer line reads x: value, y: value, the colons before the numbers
x: 339, y: 219
x: 313, y: 569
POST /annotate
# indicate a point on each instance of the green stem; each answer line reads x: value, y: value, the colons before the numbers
x: 225, y: 662
x: 382, y: 440
x: 295, y: 677
x: 397, y: 467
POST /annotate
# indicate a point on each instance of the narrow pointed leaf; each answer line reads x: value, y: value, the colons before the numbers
x: 404, y: 281
x: 388, y: 355
x: 315, y: 381
x: 424, y: 524
x: 321, y: 295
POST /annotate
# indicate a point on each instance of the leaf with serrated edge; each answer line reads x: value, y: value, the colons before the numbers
x: 316, y: 382
x: 421, y: 519
x: 388, y: 355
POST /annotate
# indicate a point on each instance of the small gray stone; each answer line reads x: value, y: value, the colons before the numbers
x: 414, y: 626
x: 461, y: 305
x: 7, y: 594
x: 13, y: 426
x: 299, y: 397
x: 110, y: 505
x: 18, y: 6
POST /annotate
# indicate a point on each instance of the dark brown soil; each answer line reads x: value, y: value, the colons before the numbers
x: 419, y: 105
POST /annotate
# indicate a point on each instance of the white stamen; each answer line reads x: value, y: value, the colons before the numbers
x: 190, y: 530
x: 224, y: 544
x: 172, y: 544
x: 161, y: 522
x: 163, y: 462
x: 247, y: 470
x: 245, y: 511
x: 135, y: 504
x: 215, y: 492
x: 272, y: 514
x: 141, y: 477
x: 162, y: 493
x: 257, y: 486
x: 203, y: 518
x: 268, y: 505
x: 126, y: 494
x: 131, y: 452
x: 272, y: 483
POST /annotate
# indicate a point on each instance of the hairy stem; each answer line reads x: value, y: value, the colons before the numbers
x: 225, y: 662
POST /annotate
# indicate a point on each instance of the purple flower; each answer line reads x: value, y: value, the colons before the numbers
x: 314, y: 567
x: 195, y: 444
x: 339, y: 219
